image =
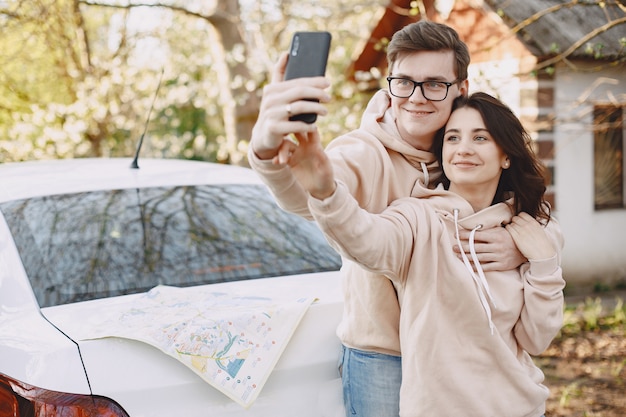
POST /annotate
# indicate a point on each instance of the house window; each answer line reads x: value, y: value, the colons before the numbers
x: 609, y: 176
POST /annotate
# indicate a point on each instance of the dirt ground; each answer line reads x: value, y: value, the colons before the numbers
x: 586, y: 373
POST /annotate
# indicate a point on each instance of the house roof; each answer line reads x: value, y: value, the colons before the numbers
x: 578, y: 29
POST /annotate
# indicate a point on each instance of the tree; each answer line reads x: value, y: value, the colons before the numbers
x: 96, y: 102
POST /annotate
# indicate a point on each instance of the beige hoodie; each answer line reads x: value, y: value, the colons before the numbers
x: 378, y: 167
x: 466, y: 343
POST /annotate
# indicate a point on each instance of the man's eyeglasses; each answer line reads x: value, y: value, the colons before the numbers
x: 431, y: 90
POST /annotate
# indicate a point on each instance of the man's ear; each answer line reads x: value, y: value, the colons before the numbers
x: 464, y: 87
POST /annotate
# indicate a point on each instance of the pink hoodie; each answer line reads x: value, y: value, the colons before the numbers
x: 378, y: 168
x: 466, y: 341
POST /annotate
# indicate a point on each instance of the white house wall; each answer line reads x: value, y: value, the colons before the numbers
x: 497, y: 78
x: 595, y: 241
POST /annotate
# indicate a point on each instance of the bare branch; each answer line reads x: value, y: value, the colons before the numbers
x: 579, y: 43
x: 515, y: 30
x: 212, y: 18
x: 83, y: 37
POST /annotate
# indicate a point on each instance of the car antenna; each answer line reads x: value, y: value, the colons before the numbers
x: 134, y: 164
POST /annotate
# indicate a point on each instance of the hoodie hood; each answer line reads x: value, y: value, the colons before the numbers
x: 445, y: 203
x: 460, y: 215
x: 379, y: 120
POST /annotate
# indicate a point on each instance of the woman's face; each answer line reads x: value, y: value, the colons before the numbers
x: 418, y: 119
x: 472, y: 160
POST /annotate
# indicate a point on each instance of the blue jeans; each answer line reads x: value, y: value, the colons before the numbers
x: 371, y: 383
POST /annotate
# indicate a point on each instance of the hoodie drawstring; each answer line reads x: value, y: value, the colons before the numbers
x: 479, y: 280
x: 425, y: 171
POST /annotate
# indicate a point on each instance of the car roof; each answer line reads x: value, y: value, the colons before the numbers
x: 19, y: 180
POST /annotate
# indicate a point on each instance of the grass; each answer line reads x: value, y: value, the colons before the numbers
x: 585, y: 366
x: 593, y: 314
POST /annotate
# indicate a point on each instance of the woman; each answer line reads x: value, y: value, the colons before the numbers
x: 466, y: 335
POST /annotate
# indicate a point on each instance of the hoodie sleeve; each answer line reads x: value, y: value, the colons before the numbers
x: 542, y: 314
x: 554, y: 233
x: 381, y: 243
x: 358, y: 160
x: 287, y: 192
x: 363, y: 164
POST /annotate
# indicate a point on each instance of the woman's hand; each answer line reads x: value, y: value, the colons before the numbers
x: 309, y: 164
x: 530, y: 237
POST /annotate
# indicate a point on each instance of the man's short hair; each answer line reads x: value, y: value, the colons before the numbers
x: 426, y: 35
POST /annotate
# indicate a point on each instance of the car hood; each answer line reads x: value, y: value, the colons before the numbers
x: 223, y: 347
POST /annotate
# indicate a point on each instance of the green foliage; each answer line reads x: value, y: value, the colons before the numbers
x: 600, y: 287
x: 592, y: 315
x: 572, y: 389
x: 555, y: 48
x: 38, y: 51
x: 595, y: 50
x: 80, y: 82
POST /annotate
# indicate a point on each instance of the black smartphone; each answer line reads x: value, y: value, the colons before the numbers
x: 308, y: 55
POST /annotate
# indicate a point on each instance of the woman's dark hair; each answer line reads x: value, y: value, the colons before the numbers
x: 525, y: 177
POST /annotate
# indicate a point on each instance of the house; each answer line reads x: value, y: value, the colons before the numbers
x: 561, y: 66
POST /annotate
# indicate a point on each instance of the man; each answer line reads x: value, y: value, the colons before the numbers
x: 379, y: 162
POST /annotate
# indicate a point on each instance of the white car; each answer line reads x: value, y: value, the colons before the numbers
x: 176, y: 289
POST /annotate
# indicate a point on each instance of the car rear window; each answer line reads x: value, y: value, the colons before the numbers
x: 100, y: 244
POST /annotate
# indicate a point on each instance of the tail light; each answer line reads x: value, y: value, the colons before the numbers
x: 18, y: 399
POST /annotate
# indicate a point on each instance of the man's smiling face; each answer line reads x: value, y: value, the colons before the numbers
x: 417, y: 118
